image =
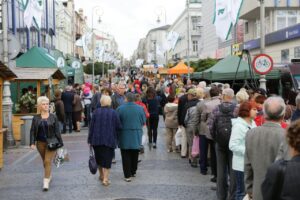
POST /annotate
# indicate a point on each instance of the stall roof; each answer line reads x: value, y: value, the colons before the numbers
x: 6, y: 72
x: 36, y: 57
x: 226, y: 69
x: 180, y: 68
x: 37, y: 73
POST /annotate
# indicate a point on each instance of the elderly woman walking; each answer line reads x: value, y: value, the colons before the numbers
x: 132, y: 118
x: 103, y: 136
x: 45, y: 128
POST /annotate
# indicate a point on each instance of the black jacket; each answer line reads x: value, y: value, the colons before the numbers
x: 67, y: 97
x: 181, y: 104
x: 53, y: 128
x: 282, y: 180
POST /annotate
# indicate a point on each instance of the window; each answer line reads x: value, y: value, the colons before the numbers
x: 297, y: 52
x: 246, y: 27
x: 285, y: 55
x: 196, y: 22
x: 285, y: 18
x: 195, y: 46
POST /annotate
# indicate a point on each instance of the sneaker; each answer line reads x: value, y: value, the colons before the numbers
x: 127, y: 179
x: 113, y: 161
x: 154, y: 145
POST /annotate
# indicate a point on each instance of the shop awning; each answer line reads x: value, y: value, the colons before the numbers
x: 36, y: 57
x: 181, y: 68
x: 5, y: 72
x: 226, y: 69
x: 37, y: 73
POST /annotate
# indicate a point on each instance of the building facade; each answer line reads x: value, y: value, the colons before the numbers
x: 80, y: 28
x: 282, y: 27
x: 44, y: 37
x: 154, y: 45
x: 65, y: 27
x: 180, y: 26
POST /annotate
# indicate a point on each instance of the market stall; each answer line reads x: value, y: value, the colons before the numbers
x: 181, y: 68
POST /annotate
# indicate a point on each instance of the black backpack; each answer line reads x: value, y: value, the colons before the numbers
x: 222, y: 125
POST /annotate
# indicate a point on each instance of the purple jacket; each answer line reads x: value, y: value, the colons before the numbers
x: 104, y: 126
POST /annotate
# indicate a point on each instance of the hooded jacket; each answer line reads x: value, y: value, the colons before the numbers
x: 237, y: 141
x: 170, y: 111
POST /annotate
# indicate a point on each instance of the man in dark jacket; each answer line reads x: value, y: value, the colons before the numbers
x: 67, y: 97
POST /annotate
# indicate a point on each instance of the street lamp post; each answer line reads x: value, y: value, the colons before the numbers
x: 93, y: 40
x: 188, y: 37
x: 262, y: 78
x: 6, y: 101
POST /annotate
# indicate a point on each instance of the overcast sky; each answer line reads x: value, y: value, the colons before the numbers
x: 130, y: 20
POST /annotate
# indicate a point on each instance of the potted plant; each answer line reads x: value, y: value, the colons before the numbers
x: 27, y: 103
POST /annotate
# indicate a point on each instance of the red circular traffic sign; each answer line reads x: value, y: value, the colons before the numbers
x: 262, y: 64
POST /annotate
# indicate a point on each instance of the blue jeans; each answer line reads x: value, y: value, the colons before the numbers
x: 240, y: 186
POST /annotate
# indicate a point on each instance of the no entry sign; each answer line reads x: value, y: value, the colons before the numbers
x: 262, y: 64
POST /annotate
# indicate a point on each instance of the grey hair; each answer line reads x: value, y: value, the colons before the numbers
x: 228, y: 92
x: 274, y: 108
x: 130, y: 97
x: 105, y: 101
x: 297, y: 100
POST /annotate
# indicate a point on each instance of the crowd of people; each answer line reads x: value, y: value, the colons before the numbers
x: 243, y: 138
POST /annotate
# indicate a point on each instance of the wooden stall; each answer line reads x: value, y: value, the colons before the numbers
x: 5, y: 74
x: 49, y: 77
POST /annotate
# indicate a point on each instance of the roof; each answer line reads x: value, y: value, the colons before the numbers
x: 36, y: 57
x: 161, y: 28
x: 6, y: 72
x: 226, y: 69
x: 180, y: 68
x: 37, y: 73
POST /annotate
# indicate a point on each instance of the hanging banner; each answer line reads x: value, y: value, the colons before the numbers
x: 33, y: 12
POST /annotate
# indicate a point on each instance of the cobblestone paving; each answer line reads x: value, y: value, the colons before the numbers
x: 161, y: 176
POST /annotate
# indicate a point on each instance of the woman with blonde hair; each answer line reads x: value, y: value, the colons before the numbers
x: 45, y: 137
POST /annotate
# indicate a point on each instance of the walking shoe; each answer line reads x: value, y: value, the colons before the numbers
x: 154, y: 145
x: 46, y: 184
x: 213, y: 188
x: 114, y: 161
x: 127, y: 179
x: 213, y: 179
x: 203, y: 173
x: 194, y: 165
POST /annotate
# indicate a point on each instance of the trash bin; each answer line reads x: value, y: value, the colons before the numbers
x: 25, y: 130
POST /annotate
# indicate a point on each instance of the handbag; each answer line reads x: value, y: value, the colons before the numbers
x: 92, y: 162
x: 53, y: 143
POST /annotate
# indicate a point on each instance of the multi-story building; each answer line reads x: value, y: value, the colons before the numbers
x: 65, y: 34
x: 154, y: 45
x: 80, y: 28
x: 282, y: 27
x: 180, y: 26
x: 43, y: 37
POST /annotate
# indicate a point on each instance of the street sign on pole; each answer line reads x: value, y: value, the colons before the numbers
x: 262, y: 64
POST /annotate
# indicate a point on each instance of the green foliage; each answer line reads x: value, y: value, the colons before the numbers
x: 203, y: 64
x: 26, y: 104
x: 88, y: 69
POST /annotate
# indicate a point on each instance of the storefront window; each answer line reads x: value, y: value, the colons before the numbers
x: 297, y: 52
x: 285, y: 55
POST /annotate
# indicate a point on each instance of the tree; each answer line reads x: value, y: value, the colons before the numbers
x: 88, y: 69
x: 203, y: 64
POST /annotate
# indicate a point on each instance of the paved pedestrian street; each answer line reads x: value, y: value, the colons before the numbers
x: 161, y: 175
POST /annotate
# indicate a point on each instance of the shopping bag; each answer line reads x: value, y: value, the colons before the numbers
x: 195, y: 147
x: 247, y: 197
x: 144, y: 139
x: 178, y: 136
x: 61, y: 156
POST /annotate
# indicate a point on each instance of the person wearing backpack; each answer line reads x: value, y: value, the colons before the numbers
x: 220, y: 128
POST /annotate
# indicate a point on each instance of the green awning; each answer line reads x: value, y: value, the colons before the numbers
x: 36, y: 57
x: 226, y: 69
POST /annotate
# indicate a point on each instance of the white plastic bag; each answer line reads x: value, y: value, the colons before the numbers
x: 61, y: 156
x: 178, y: 136
x: 144, y: 139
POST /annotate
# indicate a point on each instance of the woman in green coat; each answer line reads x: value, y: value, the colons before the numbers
x: 132, y: 118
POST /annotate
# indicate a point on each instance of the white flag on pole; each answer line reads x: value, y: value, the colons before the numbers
x: 172, y: 39
x: 33, y: 12
x: 226, y: 15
